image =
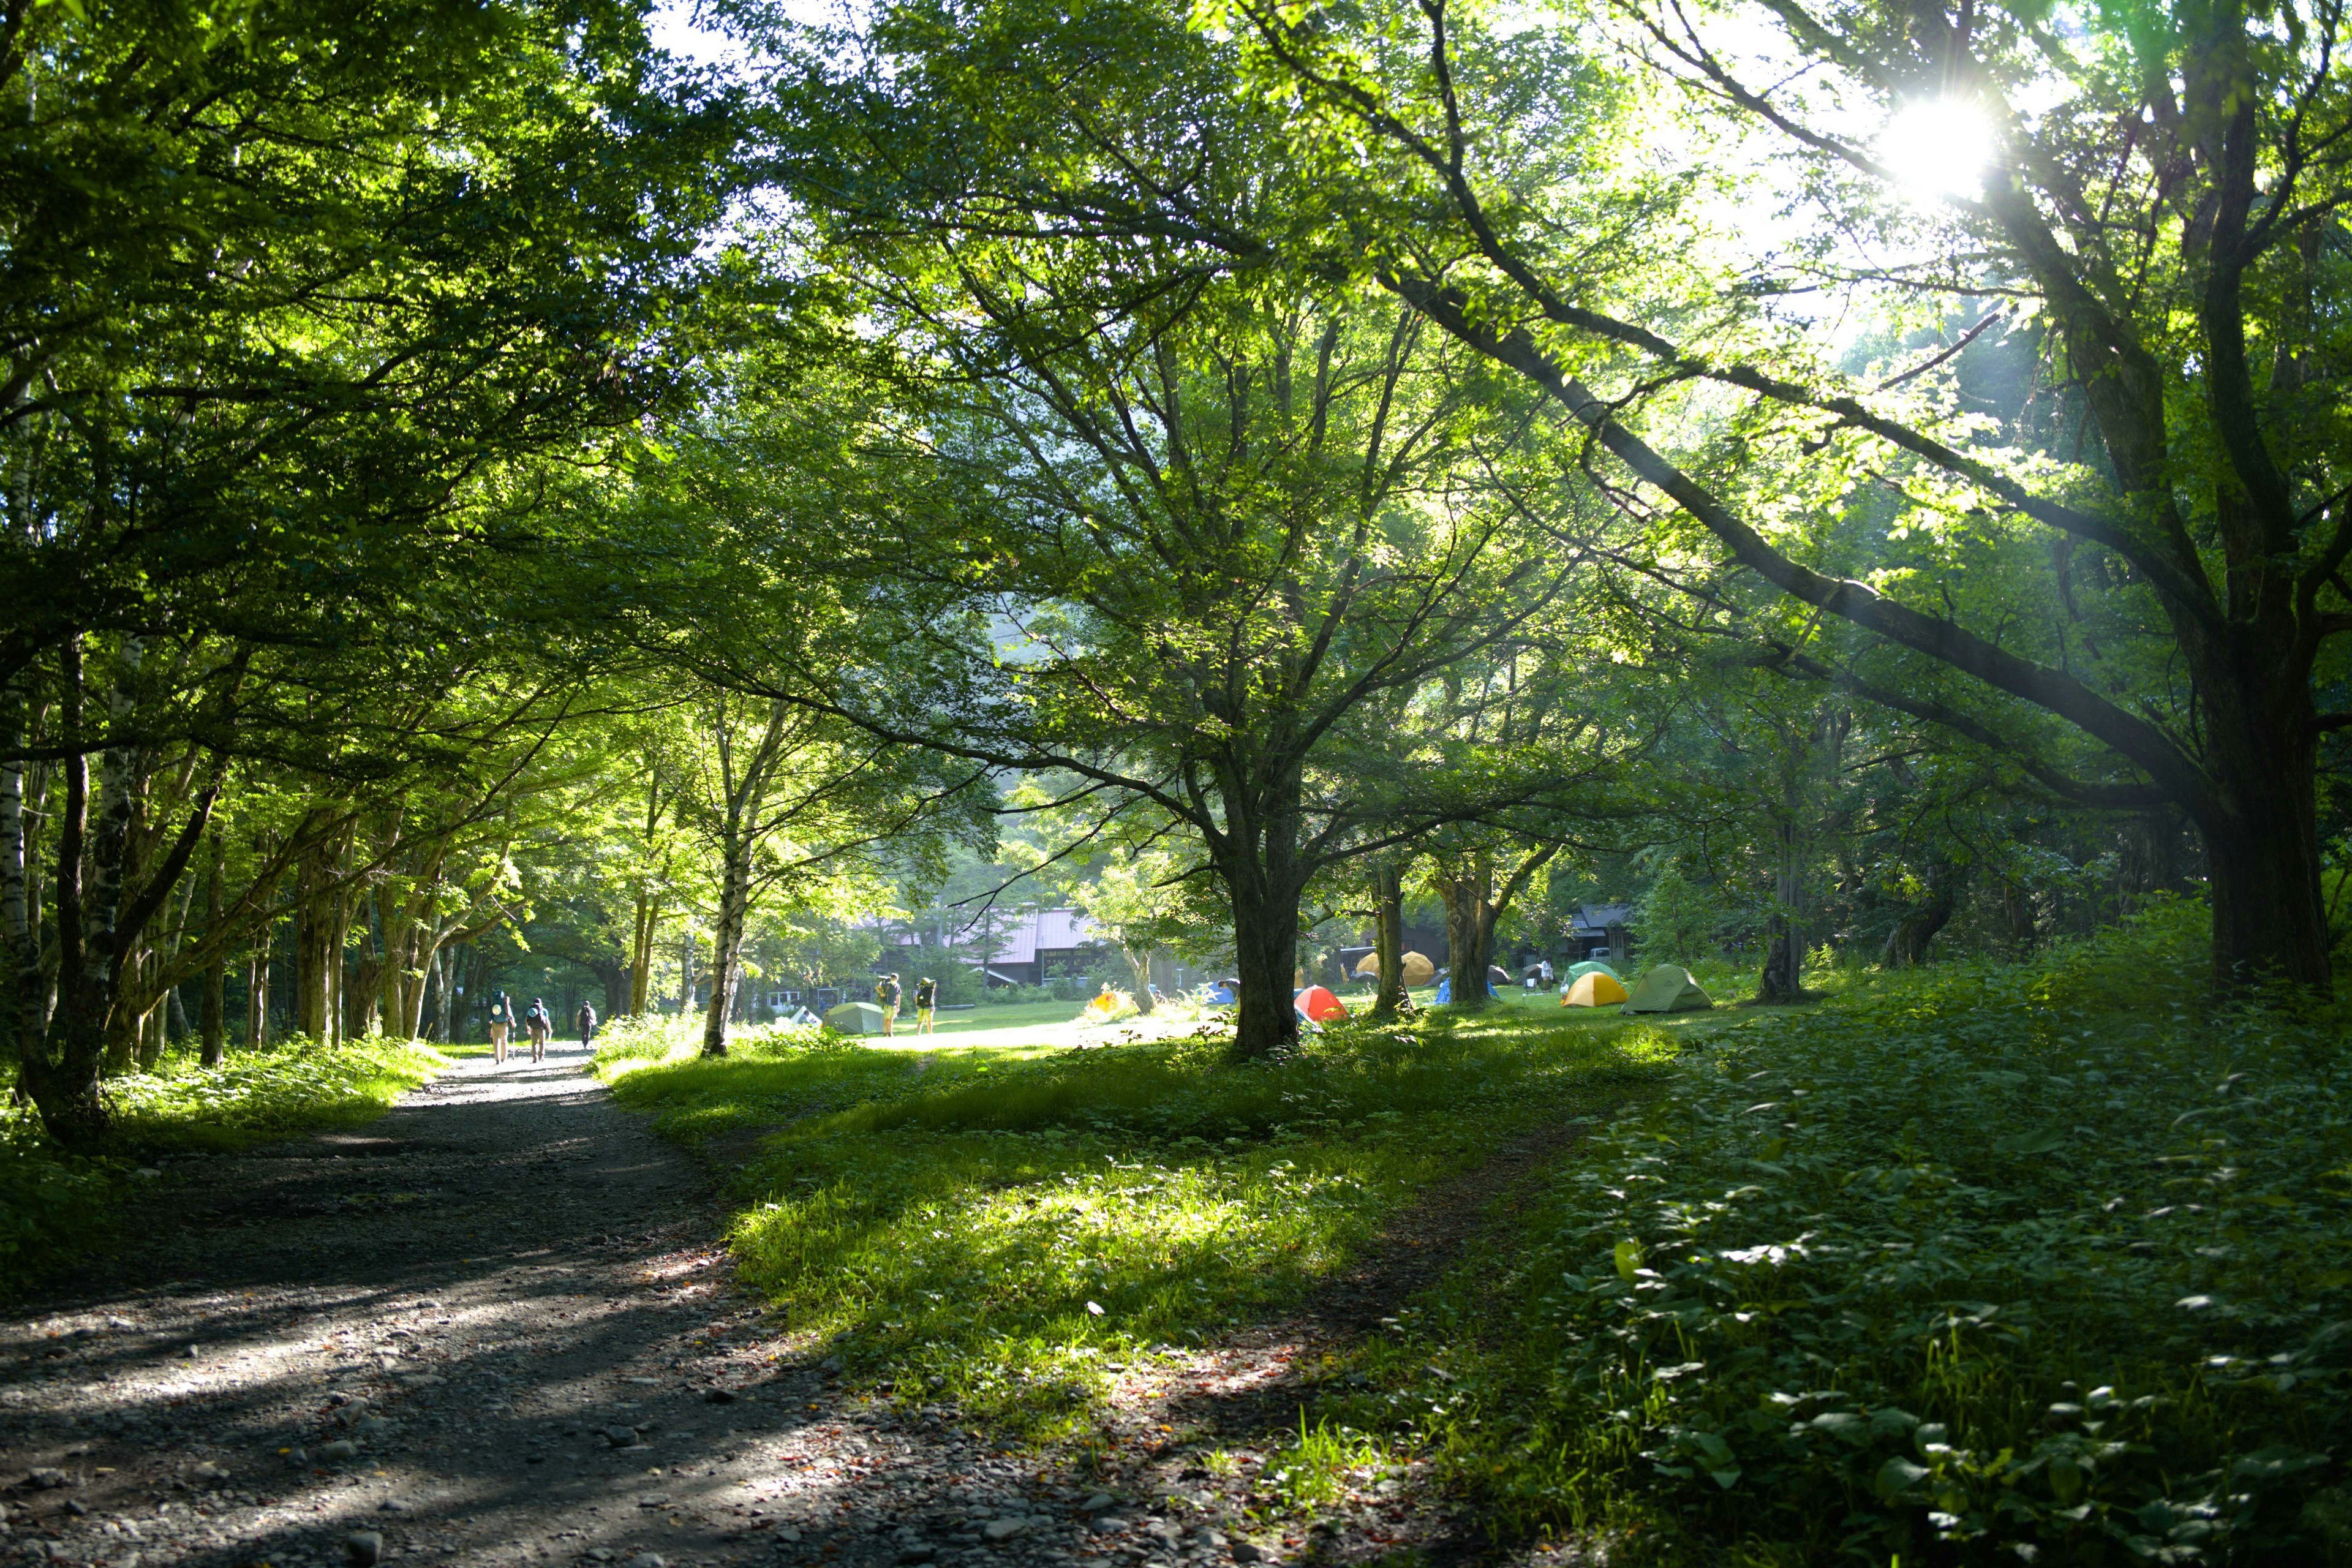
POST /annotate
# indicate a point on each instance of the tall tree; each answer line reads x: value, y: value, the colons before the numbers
x: 2173, y: 221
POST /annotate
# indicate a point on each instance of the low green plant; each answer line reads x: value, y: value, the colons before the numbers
x: 2041, y: 1263
x: 1313, y: 1471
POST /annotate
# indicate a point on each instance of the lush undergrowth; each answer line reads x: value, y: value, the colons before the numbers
x: 998, y: 1227
x: 2044, y: 1262
x: 53, y: 1205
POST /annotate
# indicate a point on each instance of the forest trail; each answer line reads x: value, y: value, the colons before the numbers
x: 506, y: 1297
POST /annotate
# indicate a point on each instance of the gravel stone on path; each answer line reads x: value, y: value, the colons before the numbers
x: 435, y: 1330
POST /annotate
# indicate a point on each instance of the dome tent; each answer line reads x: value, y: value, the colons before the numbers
x: 1319, y: 1004
x: 1577, y: 972
x: 1668, y: 988
x: 854, y: 1018
x: 1598, y: 989
x: 1418, y: 971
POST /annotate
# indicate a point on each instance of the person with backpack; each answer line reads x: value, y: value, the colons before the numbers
x: 501, y: 1020
x: 927, y: 1001
x: 587, y: 1022
x: 541, y: 1024
x: 885, y: 995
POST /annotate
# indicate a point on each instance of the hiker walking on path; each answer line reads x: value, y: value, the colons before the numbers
x: 927, y: 1001
x: 541, y: 1024
x: 501, y: 1020
x: 885, y: 995
x: 587, y: 1022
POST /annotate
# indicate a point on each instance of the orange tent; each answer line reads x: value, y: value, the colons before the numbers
x: 1319, y: 1004
x: 1598, y: 989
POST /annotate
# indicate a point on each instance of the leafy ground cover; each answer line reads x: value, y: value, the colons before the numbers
x: 2042, y: 1262
x: 998, y: 1227
x: 53, y: 1205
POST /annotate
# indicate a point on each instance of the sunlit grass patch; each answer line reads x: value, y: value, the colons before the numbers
x: 254, y: 1096
x: 992, y: 1227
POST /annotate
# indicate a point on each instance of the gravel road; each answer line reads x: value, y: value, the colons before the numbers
x: 496, y: 1327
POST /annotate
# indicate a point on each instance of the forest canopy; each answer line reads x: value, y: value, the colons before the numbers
x: 484, y: 490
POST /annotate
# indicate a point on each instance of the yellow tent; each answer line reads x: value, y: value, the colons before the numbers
x: 1598, y: 989
x: 1109, y: 1003
x: 1418, y: 971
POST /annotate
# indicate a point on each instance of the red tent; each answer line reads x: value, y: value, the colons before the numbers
x: 1319, y: 1004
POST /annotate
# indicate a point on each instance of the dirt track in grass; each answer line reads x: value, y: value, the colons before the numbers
x: 508, y: 1299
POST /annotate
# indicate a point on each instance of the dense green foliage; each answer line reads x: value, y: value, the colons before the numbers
x: 2040, y: 1255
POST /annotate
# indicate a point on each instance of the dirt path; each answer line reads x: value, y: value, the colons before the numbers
x: 495, y: 1328
x: 504, y: 1296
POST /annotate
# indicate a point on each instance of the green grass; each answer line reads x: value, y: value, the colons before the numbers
x: 996, y: 1226
x: 54, y: 1205
x: 2043, y: 1263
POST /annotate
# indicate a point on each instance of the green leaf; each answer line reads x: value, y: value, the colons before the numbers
x: 1629, y: 1259
x: 2065, y: 1479
x: 1898, y: 1476
x: 2276, y: 1462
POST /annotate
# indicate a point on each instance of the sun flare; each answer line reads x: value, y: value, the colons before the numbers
x: 1937, y: 148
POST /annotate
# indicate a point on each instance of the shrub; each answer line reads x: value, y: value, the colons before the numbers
x: 647, y: 1037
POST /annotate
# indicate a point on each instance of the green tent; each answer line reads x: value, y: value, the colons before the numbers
x: 1577, y: 972
x: 1668, y: 988
x: 854, y: 1018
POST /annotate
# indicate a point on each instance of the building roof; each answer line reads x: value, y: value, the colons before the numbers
x: 1601, y: 917
x: 1019, y: 936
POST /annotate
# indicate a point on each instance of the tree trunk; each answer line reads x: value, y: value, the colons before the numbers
x: 614, y: 980
x: 2270, y: 915
x: 1465, y: 887
x: 214, y: 1026
x: 2017, y: 911
x: 437, y: 998
x: 1388, y: 935
x: 1783, y: 979
x: 318, y: 947
x: 1140, y: 961
x: 726, y: 940
x: 63, y: 1079
x: 256, y: 990
x: 365, y: 1014
x: 641, y: 953
x: 1265, y: 951
x: 1906, y: 944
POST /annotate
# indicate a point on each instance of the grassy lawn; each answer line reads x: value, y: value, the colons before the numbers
x: 994, y: 1224
x: 53, y: 1205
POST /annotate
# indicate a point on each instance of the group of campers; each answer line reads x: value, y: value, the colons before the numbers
x: 537, y: 1022
x: 887, y: 995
